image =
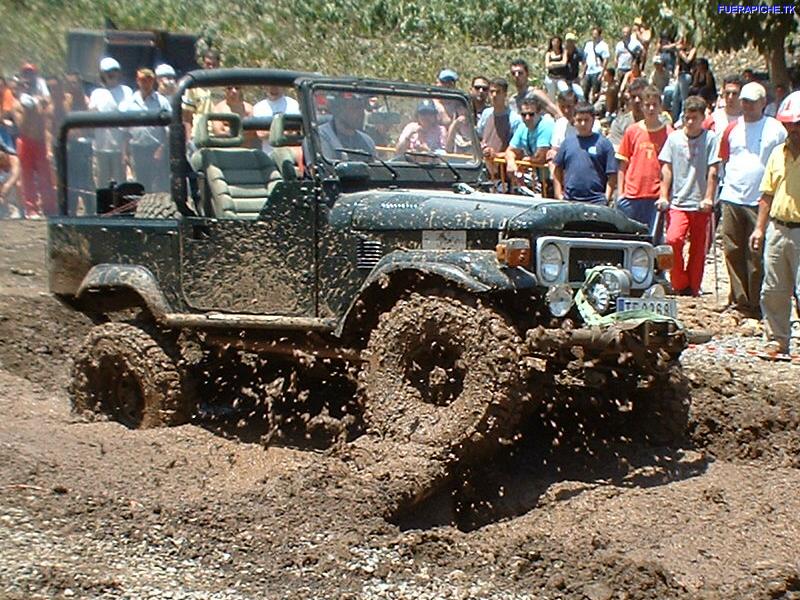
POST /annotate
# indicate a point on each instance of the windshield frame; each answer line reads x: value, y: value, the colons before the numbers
x: 430, y: 173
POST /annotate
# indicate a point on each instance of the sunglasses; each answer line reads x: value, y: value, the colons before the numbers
x: 527, y: 114
x: 481, y: 88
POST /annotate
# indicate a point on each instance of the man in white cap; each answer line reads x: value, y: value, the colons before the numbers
x: 165, y: 78
x: 745, y: 146
x: 779, y: 207
x: 108, y: 142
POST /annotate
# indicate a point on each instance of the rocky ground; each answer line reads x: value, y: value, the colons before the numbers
x: 578, y: 508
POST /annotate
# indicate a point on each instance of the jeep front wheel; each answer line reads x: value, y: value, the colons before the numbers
x: 445, y: 373
x: 127, y: 374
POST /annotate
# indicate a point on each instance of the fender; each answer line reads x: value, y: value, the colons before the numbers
x: 476, y: 271
x: 132, y: 277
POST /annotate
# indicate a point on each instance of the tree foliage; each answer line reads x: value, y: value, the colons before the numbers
x: 403, y: 39
x: 711, y: 27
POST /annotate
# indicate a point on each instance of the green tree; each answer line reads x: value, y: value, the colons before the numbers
x: 710, y: 25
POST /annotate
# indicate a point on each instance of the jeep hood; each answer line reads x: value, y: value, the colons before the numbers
x: 416, y: 210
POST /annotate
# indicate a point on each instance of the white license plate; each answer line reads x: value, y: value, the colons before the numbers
x: 666, y: 307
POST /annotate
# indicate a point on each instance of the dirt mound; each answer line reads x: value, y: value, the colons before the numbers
x: 39, y: 336
x: 745, y: 409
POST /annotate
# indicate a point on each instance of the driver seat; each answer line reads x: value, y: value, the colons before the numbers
x: 238, y: 180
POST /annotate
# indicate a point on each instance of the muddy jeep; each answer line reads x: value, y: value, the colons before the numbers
x: 362, y: 233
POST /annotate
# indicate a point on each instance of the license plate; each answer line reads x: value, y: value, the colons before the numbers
x: 666, y: 307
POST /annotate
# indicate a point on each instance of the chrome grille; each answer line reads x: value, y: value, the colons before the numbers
x: 583, y: 259
x: 368, y: 253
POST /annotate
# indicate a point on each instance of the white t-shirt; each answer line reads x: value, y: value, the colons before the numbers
x: 563, y: 128
x: 109, y: 100
x: 595, y: 55
x: 624, y: 56
x: 267, y: 108
x: 747, y: 149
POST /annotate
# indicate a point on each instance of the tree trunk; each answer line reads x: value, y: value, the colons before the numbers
x: 776, y: 62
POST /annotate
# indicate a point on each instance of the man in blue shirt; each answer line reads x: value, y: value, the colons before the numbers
x: 531, y: 141
x: 585, y: 165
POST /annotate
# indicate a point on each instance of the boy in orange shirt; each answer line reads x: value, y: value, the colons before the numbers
x: 639, y: 180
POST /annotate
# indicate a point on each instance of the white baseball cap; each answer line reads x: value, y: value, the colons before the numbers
x: 109, y: 64
x: 165, y: 70
x: 753, y: 91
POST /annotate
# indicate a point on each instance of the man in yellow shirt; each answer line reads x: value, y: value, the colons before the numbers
x: 777, y: 230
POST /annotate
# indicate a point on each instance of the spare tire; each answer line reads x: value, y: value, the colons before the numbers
x: 158, y: 205
x: 132, y: 376
x: 445, y: 373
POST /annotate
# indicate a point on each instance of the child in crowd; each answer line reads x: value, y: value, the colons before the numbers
x: 689, y: 169
x: 640, y: 171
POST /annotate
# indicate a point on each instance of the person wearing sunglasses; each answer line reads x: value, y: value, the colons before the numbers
x: 479, y: 95
x: 531, y: 141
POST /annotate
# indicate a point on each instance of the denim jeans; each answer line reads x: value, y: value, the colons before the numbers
x: 684, y: 81
x: 644, y: 211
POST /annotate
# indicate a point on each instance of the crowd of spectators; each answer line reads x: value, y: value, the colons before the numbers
x: 642, y: 128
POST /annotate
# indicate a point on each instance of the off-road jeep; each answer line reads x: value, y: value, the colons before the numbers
x: 454, y: 302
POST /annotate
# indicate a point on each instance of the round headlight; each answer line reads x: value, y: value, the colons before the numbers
x: 617, y: 281
x: 640, y: 265
x: 559, y: 299
x: 550, y: 262
x: 599, y: 297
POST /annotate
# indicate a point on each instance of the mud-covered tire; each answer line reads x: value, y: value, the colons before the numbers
x: 444, y: 373
x: 130, y: 375
x: 157, y: 206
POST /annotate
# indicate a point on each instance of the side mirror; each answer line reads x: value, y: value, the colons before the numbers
x: 352, y: 172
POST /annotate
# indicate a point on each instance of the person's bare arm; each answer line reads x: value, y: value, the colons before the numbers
x: 512, y: 155
x: 760, y: 230
x: 11, y: 182
x: 549, y: 104
x: 623, y: 166
x: 666, y: 186
x: 405, y: 137
x: 610, y: 187
x: 711, y: 188
x: 558, y: 182
x: 540, y: 156
x: 452, y: 131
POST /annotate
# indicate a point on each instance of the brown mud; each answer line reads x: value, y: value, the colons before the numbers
x: 582, y: 505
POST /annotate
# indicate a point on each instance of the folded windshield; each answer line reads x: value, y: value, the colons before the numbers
x: 398, y: 127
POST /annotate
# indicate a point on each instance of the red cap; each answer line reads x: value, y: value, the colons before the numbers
x: 789, y: 111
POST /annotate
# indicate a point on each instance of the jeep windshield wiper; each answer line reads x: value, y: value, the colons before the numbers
x: 370, y: 155
x: 439, y: 157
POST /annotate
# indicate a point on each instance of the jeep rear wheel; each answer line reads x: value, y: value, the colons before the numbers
x: 127, y: 374
x: 444, y: 373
